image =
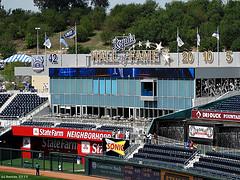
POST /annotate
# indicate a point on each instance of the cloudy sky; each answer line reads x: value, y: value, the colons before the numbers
x: 28, y: 4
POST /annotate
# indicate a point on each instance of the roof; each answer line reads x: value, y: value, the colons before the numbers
x: 19, y: 58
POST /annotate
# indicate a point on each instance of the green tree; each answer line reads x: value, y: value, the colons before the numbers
x: 8, y: 71
x: 60, y: 5
x: 7, y: 47
x: 100, y: 3
x: 236, y: 45
x: 97, y: 17
x: 80, y: 50
x: 30, y: 40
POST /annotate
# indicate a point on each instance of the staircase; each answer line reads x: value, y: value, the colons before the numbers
x: 194, y: 158
x: 8, y: 101
x: 133, y: 151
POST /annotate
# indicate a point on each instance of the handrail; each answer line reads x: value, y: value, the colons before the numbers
x: 130, y: 150
x: 191, y: 157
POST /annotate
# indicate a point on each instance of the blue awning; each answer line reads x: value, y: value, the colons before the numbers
x: 18, y: 57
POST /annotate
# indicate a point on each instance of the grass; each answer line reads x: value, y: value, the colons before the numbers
x: 10, y: 175
x: 27, y: 163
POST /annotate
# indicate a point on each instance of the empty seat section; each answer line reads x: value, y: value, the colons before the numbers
x: 22, y: 104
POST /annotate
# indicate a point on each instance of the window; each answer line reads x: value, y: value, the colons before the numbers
x: 147, y: 89
x: 108, y: 86
x: 102, y: 86
x: 114, y: 87
x: 95, y: 86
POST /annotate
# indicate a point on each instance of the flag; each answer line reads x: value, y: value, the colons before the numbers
x: 62, y: 41
x: 180, y: 42
x: 198, y: 39
x: 216, y: 35
x: 70, y: 34
x: 47, y: 43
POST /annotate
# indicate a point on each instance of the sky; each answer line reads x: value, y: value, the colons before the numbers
x: 29, y: 5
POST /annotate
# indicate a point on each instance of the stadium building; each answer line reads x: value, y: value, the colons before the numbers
x: 195, y: 93
x: 132, y: 83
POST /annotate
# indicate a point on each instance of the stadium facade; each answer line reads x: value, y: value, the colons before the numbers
x: 134, y: 82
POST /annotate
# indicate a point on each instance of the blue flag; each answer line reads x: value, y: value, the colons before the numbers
x: 62, y: 41
x: 70, y: 34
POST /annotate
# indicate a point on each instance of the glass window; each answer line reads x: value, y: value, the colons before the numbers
x: 108, y: 86
x: 114, y: 87
x: 95, y: 86
x: 102, y: 86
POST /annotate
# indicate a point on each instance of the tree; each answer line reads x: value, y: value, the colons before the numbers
x: 236, y: 45
x: 100, y: 3
x: 59, y: 5
x: 7, y: 47
x: 8, y: 71
x: 80, y: 49
x: 97, y: 16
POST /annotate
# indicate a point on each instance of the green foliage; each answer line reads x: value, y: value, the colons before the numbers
x: 97, y: 17
x: 150, y: 22
x: 8, y: 71
x: 60, y: 5
x: 236, y: 45
x: 147, y: 21
x: 7, y: 47
x: 80, y: 49
x: 30, y: 40
x: 85, y: 29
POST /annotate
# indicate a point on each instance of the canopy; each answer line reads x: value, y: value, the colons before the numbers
x: 18, y: 57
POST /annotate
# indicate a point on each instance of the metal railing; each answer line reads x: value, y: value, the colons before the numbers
x: 191, y: 158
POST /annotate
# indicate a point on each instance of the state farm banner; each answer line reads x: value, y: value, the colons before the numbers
x: 215, y: 115
x: 201, y: 132
x: 75, y: 134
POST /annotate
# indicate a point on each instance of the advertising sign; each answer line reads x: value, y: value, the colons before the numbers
x: 201, y: 132
x: 133, y: 172
x: 214, y: 115
x: 107, y: 169
x: 115, y: 147
x: 26, y: 143
x: 63, y: 133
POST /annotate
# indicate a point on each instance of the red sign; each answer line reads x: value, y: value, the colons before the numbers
x: 89, y: 135
x: 215, y: 115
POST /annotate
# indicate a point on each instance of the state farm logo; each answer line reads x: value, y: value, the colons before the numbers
x: 35, y: 131
x: 85, y: 147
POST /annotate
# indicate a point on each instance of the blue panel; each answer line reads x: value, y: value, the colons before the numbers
x: 114, y: 87
x: 181, y: 73
x: 126, y: 87
x: 102, y: 86
x: 108, y: 86
x: 89, y: 86
x: 95, y: 86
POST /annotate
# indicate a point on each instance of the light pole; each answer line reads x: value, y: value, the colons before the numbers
x: 37, y: 28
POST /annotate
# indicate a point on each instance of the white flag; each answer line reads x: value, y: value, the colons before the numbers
x: 216, y: 35
x: 47, y: 43
x: 198, y: 39
x: 180, y: 42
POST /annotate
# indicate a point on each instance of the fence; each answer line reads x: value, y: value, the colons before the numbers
x: 54, y: 161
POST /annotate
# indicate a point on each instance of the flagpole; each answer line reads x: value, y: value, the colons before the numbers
x: 45, y: 50
x: 177, y: 46
x: 218, y: 39
x: 76, y: 45
x: 197, y: 46
x: 60, y: 36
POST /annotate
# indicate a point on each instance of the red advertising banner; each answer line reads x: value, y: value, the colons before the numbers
x: 75, y: 134
x: 215, y: 115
